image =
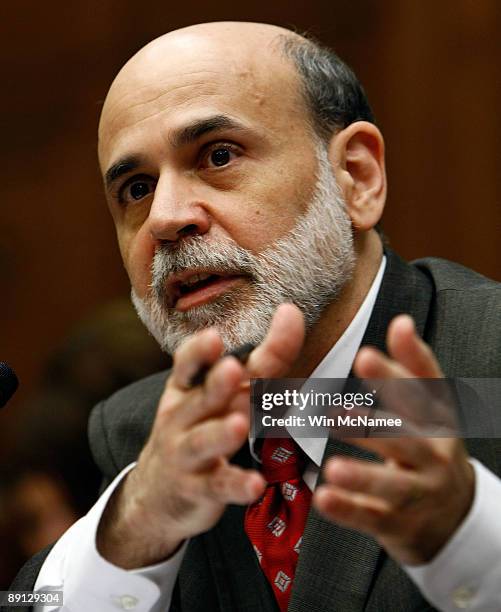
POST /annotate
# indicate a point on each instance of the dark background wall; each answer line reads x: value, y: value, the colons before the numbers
x: 431, y: 69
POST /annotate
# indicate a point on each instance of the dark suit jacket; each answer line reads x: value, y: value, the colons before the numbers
x: 458, y: 312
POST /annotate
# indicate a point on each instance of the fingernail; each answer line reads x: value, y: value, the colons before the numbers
x: 410, y: 321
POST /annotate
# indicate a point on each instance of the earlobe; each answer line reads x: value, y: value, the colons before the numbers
x: 357, y: 157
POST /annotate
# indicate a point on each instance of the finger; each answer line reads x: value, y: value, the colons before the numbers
x: 240, y: 402
x: 201, y: 349
x: 407, y: 395
x: 398, y: 487
x: 406, y: 347
x: 372, y: 363
x: 221, y: 384
x: 211, y: 439
x: 422, y: 403
x: 402, y: 397
x: 230, y: 484
x: 408, y: 452
x: 353, y: 510
x: 223, y: 381
x: 281, y: 347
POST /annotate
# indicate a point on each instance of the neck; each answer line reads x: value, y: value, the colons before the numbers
x: 339, y: 314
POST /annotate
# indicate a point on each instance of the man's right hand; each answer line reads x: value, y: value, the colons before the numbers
x: 183, y: 479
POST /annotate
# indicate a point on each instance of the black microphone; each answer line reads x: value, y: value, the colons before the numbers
x: 8, y: 383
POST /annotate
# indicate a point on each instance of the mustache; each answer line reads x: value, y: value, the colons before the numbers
x: 198, y: 252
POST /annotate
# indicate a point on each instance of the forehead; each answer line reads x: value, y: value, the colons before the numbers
x: 161, y: 90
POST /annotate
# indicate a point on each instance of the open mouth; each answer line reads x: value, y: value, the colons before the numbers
x: 192, y: 289
x: 197, y: 281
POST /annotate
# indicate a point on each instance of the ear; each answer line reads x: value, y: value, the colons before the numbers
x: 357, y: 157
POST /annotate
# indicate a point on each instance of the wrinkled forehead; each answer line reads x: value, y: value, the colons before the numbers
x: 161, y: 88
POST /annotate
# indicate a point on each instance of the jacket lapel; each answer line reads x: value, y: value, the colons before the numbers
x: 232, y: 565
x: 240, y: 582
x: 337, y: 566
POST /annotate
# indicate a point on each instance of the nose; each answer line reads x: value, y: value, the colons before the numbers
x: 176, y: 212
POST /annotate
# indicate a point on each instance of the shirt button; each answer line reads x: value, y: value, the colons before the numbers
x: 462, y: 597
x: 128, y: 602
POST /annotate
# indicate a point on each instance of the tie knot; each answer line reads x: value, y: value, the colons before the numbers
x: 282, y: 459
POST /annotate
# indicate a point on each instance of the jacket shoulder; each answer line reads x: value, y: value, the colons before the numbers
x: 120, y: 425
x: 465, y: 324
x: 450, y: 276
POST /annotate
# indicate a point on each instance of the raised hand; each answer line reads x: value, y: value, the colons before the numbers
x: 414, y: 501
x: 183, y: 479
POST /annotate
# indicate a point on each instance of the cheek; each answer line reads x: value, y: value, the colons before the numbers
x: 137, y: 251
x: 271, y: 210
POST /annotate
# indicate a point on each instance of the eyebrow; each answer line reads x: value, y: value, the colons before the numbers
x: 182, y: 137
x: 198, y: 128
x: 123, y: 166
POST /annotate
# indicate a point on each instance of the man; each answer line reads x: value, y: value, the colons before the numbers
x: 245, y: 177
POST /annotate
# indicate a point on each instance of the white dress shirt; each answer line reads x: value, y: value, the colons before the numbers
x: 466, y: 573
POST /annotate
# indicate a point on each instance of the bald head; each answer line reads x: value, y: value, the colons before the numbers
x: 230, y: 40
x: 311, y: 76
x: 245, y: 55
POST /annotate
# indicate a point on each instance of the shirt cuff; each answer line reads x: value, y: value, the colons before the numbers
x: 89, y: 582
x: 466, y: 573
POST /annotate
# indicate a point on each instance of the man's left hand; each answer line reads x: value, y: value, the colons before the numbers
x: 414, y: 501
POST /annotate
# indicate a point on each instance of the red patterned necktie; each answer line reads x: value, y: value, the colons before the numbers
x: 275, y: 523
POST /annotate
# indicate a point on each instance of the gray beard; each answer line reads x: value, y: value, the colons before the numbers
x: 308, y: 266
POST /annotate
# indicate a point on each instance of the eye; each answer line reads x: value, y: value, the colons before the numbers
x: 219, y: 155
x: 136, y: 189
x: 139, y: 190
